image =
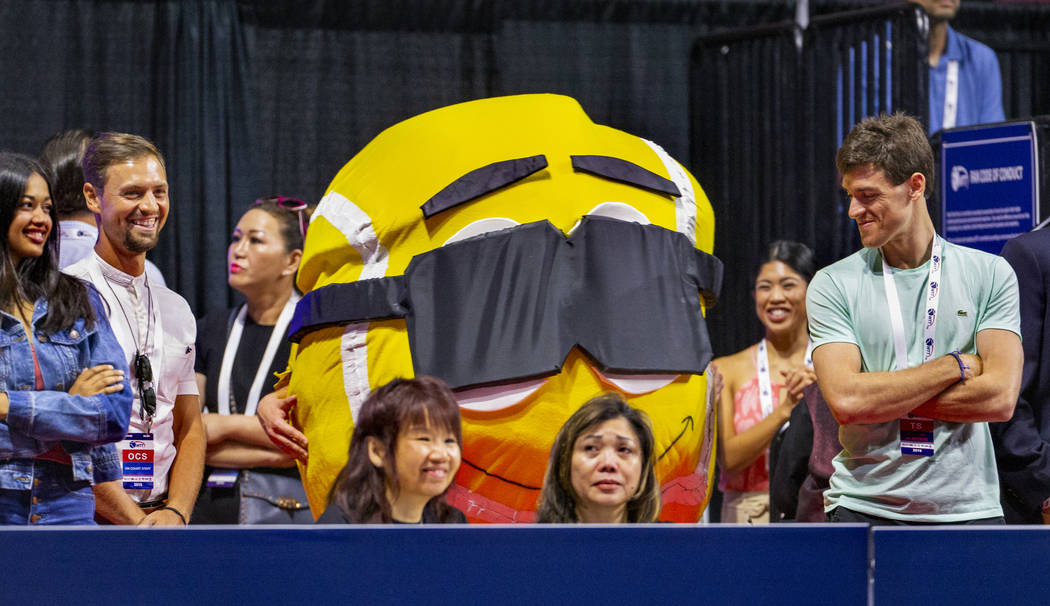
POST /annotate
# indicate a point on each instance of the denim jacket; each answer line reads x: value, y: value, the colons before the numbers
x: 85, y: 426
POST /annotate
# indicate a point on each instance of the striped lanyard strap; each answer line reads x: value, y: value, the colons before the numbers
x: 933, y: 297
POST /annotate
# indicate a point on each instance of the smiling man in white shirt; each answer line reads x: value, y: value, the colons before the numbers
x: 162, y: 456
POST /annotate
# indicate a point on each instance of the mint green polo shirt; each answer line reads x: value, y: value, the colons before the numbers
x: 846, y: 303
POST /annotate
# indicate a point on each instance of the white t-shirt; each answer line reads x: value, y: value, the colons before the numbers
x: 165, y: 333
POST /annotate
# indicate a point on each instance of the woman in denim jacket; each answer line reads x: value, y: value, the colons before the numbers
x: 64, y: 398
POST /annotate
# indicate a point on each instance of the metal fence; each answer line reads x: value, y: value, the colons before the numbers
x: 769, y: 108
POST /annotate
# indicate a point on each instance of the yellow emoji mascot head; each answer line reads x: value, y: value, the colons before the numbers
x: 530, y: 258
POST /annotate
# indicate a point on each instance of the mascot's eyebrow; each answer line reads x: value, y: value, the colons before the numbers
x: 625, y: 172
x: 481, y: 181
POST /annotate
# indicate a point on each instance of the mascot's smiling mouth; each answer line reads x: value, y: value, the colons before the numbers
x: 501, y: 478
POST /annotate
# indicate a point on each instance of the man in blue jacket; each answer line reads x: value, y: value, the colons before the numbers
x: 965, y: 85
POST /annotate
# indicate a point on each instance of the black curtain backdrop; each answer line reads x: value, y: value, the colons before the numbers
x: 748, y: 89
x: 1017, y: 30
x: 175, y: 72
x: 1020, y: 37
x: 253, y: 97
x: 766, y: 124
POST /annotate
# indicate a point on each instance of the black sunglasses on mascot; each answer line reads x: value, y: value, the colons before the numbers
x: 627, y: 294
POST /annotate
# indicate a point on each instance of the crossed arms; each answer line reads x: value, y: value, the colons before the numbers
x: 933, y: 389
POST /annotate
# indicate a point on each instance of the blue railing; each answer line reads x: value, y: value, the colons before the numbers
x: 839, y: 565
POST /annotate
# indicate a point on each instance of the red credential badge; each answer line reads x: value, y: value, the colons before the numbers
x: 136, y: 461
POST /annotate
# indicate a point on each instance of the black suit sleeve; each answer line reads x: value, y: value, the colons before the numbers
x: 1022, y: 453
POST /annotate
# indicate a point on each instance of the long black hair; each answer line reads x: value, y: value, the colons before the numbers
x: 36, y: 277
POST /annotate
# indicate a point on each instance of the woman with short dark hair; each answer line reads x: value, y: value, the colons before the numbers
x: 602, y: 467
x: 404, y: 454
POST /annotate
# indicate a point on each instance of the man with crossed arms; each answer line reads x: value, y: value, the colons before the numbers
x: 917, y: 346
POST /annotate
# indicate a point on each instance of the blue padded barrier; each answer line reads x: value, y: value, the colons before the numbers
x: 999, y: 566
x: 665, y: 564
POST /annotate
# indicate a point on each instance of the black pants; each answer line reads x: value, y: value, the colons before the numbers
x: 841, y: 514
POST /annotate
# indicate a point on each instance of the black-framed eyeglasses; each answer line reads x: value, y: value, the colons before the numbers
x: 293, y: 204
x: 144, y: 373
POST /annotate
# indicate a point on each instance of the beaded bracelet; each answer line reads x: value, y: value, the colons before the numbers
x: 962, y: 366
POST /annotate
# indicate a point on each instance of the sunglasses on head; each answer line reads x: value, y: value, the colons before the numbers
x: 293, y: 204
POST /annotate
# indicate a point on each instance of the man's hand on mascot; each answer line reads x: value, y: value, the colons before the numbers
x: 273, y: 413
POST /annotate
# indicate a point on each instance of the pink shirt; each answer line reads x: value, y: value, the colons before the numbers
x: 747, y: 412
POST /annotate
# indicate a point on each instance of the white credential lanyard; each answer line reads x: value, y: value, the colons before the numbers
x: 933, y: 297
x: 951, y: 95
x: 765, y: 384
x: 264, y: 366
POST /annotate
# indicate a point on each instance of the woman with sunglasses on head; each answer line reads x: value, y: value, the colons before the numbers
x: 64, y: 398
x: 756, y: 389
x: 404, y: 454
x: 247, y: 479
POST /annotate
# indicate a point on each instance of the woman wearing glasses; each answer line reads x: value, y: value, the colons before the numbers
x: 248, y: 480
x: 64, y: 397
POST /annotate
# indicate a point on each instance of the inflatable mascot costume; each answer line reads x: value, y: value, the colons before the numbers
x: 530, y: 258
